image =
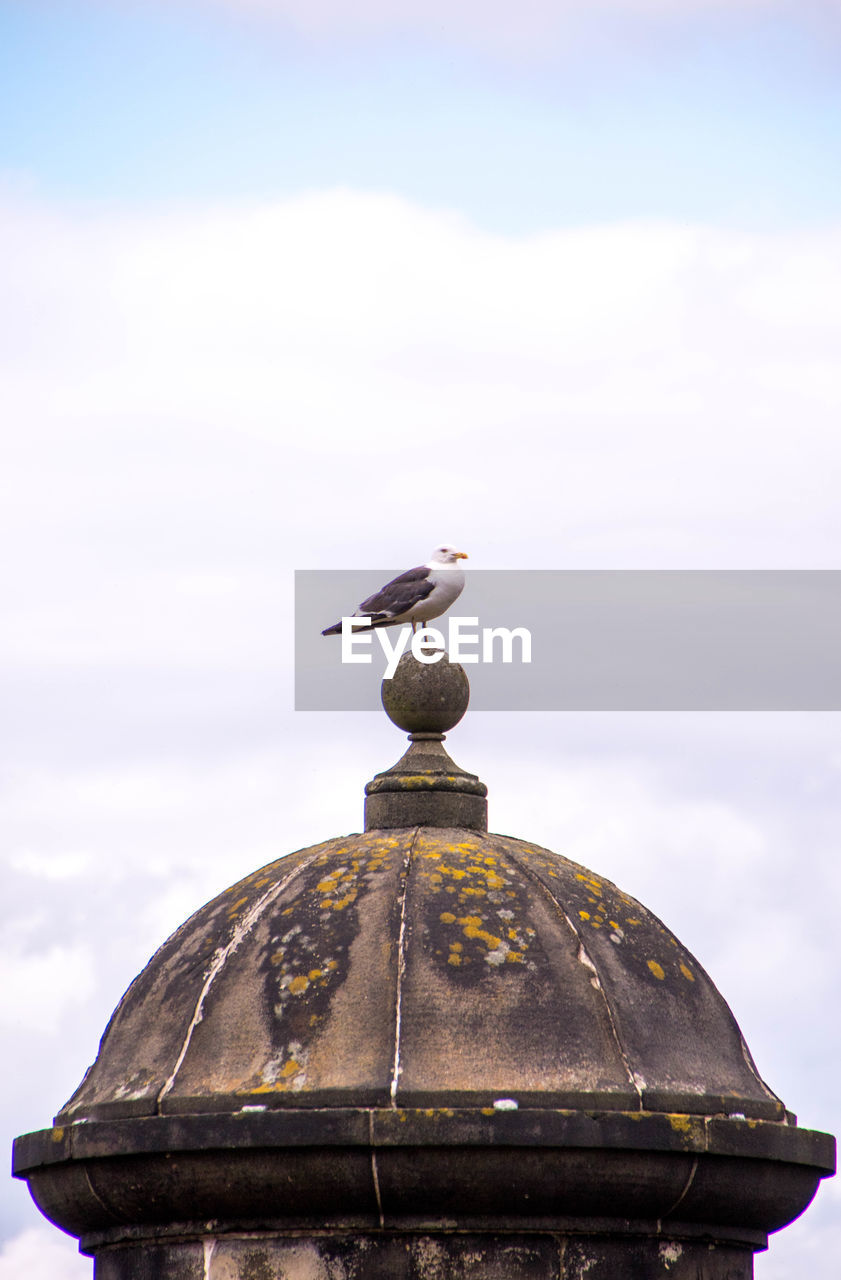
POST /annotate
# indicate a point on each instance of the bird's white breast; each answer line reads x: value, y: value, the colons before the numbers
x: 448, y: 585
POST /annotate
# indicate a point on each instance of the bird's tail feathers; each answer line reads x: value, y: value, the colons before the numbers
x: 376, y: 620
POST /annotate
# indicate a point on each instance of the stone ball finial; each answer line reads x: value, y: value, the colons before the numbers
x: 426, y: 697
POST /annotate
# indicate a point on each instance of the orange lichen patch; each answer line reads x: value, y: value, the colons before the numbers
x: 594, y: 885
x: 286, y: 1076
x: 277, y: 957
x: 315, y: 974
x: 692, y: 1129
x: 240, y: 902
x: 490, y: 939
x: 514, y: 957
x: 456, y: 946
x: 298, y: 985
x: 453, y: 958
x: 613, y: 924
x: 687, y: 972
x: 447, y: 917
x: 488, y: 1111
x: 630, y: 921
x: 585, y: 915
x: 339, y: 904
x: 58, y: 1135
x: 657, y: 969
x: 328, y: 884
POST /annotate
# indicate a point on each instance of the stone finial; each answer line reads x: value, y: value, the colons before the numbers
x: 426, y: 787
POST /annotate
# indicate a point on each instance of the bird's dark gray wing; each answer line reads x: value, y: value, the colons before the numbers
x: 400, y: 595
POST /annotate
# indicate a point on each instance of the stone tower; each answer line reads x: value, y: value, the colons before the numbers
x: 422, y: 1053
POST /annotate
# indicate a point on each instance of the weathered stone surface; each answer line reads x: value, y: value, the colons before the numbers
x: 438, y: 967
x: 423, y: 1256
x: 426, y: 698
x: 426, y: 788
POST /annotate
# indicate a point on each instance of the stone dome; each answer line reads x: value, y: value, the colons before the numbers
x: 422, y: 967
x: 374, y: 1047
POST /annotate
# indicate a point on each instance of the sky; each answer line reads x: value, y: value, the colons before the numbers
x: 321, y: 286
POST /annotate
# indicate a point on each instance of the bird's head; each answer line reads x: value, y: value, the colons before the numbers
x: 447, y: 555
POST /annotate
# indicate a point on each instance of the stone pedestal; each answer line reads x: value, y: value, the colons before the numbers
x: 429, y: 1194
x: 534, y: 1256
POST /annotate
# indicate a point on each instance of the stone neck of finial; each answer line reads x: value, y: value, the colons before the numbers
x: 426, y: 788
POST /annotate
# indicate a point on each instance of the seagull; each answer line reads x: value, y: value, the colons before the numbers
x: 418, y: 595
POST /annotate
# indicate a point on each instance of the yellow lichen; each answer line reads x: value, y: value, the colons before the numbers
x: 687, y: 973
x: 490, y: 939
x: 657, y: 969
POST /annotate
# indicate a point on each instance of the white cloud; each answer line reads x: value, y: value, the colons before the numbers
x: 37, y: 989
x: 205, y: 400
x: 42, y: 1253
x: 67, y: 865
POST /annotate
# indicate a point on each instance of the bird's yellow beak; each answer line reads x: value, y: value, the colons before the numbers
x: 461, y: 555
